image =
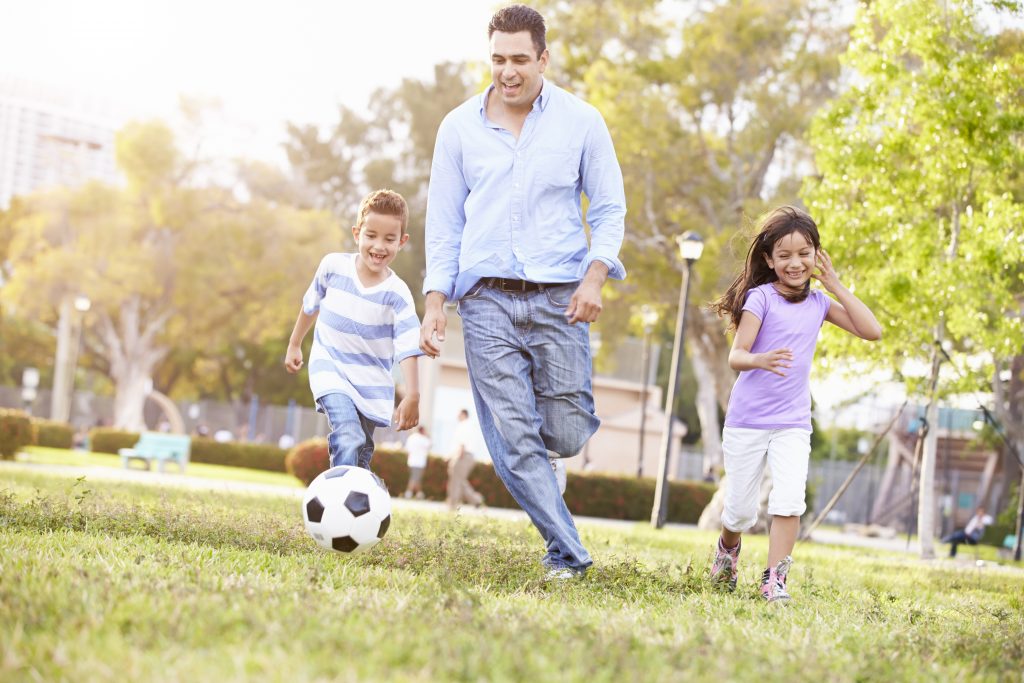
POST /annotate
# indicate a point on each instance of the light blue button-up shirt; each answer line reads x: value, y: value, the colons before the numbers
x: 501, y: 207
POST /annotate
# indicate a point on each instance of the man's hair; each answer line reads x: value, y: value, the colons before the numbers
x: 386, y: 203
x: 516, y: 18
x: 463, y: 413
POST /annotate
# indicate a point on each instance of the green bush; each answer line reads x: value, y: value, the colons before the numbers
x: 52, y: 434
x: 307, y: 459
x: 591, y: 495
x: 256, y: 456
x: 108, y: 440
x: 16, y: 432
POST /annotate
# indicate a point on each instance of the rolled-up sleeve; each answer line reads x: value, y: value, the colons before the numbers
x: 446, y: 212
x: 606, y: 214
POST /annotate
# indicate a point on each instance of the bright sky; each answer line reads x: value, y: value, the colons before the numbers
x: 266, y: 61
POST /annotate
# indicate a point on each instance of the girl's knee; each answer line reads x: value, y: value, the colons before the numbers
x: 738, y: 519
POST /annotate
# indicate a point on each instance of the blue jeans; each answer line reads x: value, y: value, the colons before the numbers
x: 351, y: 439
x: 530, y: 374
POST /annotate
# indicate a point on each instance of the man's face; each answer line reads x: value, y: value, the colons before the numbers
x: 515, y: 68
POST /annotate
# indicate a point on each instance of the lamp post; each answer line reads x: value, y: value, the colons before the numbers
x: 690, y: 248
x: 649, y: 318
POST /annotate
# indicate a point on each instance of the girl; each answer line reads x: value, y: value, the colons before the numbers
x: 776, y: 316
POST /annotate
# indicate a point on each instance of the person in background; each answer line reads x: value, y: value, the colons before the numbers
x: 970, y: 534
x: 417, y: 446
x: 460, y: 464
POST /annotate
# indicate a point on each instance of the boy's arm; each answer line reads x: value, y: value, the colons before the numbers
x: 407, y: 415
x: 293, y: 356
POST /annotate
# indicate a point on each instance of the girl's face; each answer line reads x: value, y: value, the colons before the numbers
x: 793, y: 260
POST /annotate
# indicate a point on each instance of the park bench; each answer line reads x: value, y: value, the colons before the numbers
x: 160, y: 447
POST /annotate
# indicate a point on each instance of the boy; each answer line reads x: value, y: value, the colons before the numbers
x: 365, y: 322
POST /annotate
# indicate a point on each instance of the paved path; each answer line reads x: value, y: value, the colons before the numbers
x: 154, y: 478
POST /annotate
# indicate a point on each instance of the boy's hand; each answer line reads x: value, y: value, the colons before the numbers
x: 407, y: 415
x: 293, y: 359
x: 775, y: 361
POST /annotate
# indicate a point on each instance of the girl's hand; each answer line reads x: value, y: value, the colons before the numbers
x: 826, y: 273
x: 774, y: 361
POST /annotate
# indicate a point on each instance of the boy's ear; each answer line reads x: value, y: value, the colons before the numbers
x: 355, y: 233
x: 403, y: 240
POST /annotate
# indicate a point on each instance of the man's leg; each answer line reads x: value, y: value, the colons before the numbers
x: 495, y: 326
x: 465, y: 466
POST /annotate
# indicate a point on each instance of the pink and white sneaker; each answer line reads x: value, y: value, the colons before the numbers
x: 773, y: 582
x: 726, y: 566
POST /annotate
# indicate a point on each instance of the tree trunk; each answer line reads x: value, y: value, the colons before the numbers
x: 707, y: 413
x: 926, y: 487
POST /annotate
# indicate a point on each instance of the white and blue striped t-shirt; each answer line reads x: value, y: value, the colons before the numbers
x: 360, y: 334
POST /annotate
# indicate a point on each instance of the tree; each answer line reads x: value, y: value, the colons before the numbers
x: 916, y: 159
x: 715, y: 98
x: 167, y: 265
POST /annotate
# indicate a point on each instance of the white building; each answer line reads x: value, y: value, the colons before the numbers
x: 50, y: 138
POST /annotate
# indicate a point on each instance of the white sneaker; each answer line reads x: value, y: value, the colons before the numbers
x: 559, y: 468
x: 562, y: 574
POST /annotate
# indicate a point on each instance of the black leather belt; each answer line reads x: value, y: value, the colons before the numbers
x: 508, y: 285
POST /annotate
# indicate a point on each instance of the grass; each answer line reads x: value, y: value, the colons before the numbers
x: 108, y: 581
x: 59, y: 456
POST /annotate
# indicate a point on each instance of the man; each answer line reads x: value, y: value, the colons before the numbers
x: 505, y: 239
x: 460, y: 465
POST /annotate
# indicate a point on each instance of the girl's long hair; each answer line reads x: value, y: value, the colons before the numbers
x: 775, y: 225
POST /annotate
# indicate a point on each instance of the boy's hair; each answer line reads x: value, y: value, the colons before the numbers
x: 386, y: 203
x: 516, y: 18
x: 774, y: 225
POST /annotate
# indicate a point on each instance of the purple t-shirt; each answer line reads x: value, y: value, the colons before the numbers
x: 761, y: 399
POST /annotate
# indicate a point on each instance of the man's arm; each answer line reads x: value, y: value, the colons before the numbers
x: 446, y: 218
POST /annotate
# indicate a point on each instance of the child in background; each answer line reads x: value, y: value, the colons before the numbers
x: 365, y: 322
x: 777, y: 317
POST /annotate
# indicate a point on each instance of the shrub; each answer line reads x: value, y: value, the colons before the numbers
x: 307, y: 459
x: 592, y: 495
x: 107, y: 440
x: 52, y: 434
x: 16, y: 432
x: 255, y: 456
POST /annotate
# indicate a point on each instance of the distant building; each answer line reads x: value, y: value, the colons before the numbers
x: 49, y: 138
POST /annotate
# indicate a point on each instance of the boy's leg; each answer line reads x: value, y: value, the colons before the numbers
x: 347, y: 441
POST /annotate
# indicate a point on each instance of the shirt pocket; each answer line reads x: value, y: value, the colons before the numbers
x: 558, y: 168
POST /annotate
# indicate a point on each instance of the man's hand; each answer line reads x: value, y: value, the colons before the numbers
x: 433, y: 326
x: 293, y: 359
x: 585, y: 304
x: 407, y: 414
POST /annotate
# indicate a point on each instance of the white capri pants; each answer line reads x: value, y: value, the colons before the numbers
x: 787, y: 452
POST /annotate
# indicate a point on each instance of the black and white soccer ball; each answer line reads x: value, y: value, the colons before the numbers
x: 347, y: 509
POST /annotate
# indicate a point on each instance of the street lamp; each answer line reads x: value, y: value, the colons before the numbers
x: 690, y: 248
x: 649, y: 318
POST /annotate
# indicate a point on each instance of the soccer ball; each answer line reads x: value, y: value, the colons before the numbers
x: 347, y: 509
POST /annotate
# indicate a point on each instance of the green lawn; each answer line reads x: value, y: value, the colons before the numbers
x: 108, y: 581
x: 59, y: 456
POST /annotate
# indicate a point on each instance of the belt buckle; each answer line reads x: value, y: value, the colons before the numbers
x: 507, y: 285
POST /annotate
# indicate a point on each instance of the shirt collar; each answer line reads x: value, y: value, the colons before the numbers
x: 540, y: 103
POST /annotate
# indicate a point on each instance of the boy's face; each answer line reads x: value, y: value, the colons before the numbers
x: 378, y: 240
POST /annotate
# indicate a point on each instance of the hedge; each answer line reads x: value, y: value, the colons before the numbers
x: 52, y: 434
x: 233, y: 454
x: 591, y: 495
x: 16, y: 432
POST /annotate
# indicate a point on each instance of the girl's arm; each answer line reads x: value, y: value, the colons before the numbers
x: 849, y: 312
x: 740, y: 357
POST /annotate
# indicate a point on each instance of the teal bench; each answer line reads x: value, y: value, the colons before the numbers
x: 1008, y: 543
x: 160, y: 447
